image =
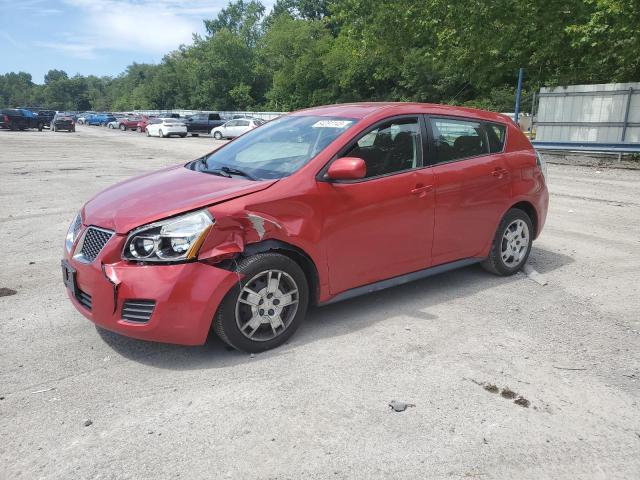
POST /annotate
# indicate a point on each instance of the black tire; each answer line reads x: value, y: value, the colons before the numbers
x: 183, y: 135
x: 40, y: 127
x: 53, y: 128
x: 139, y: 129
x: 123, y: 128
x: 217, y: 136
x: 194, y: 134
x: 160, y: 134
x: 224, y: 322
x: 494, y: 263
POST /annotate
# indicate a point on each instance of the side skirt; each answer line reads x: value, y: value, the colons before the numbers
x: 400, y: 280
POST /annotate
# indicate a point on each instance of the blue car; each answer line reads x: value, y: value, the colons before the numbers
x: 99, y: 119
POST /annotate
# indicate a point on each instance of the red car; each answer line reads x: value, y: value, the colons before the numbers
x: 314, y: 207
x: 130, y: 123
x: 141, y: 125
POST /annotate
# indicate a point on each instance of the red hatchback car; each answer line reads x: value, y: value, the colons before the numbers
x: 314, y: 207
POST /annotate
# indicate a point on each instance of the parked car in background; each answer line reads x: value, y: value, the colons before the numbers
x: 116, y: 123
x: 142, y: 124
x: 129, y: 123
x: 166, y: 127
x: 81, y: 118
x: 101, y: 119
x: 203, y: 123
x: 63, y: 121
x: 235, y: 128
x: 19, y: 119
x: 318, y: 206
x: 45, y: 117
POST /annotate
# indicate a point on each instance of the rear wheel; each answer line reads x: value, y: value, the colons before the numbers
x: 123, y: 128
x: 183, y: 135
x: 194, y: 134
x: 511, y: 245
x: 266, y: 307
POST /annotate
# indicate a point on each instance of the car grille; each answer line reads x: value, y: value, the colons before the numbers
x: 138, y: 311
x: 93, y: 242
x: 84, y: 299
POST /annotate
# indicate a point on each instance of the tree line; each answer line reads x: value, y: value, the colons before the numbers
x: 311, y: 52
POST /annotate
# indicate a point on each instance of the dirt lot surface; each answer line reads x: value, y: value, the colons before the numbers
x: 464, y: 347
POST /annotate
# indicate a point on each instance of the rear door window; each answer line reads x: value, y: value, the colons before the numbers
x: 455, y: 139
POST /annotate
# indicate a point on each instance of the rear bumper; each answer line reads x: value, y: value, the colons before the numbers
x: 186, y: 296
x: 173, y: 130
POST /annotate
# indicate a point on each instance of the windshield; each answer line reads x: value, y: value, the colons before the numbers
x: 278, y: 148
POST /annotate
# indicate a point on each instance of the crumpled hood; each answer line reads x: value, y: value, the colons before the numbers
x: 154, y: 196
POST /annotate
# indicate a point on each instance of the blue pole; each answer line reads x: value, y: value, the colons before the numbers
x: 519, y: 94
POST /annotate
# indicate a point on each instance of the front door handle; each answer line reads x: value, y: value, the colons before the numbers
x: 421, y: 189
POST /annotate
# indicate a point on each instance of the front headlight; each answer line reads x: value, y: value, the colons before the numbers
x: 73, y: 232
x: 172, y: 240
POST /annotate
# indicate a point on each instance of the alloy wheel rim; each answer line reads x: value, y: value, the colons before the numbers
x: 267, y: 305
x: 515, y: 243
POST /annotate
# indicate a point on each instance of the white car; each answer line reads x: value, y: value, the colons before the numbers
x: 165, y: 127
x: 235, y: 128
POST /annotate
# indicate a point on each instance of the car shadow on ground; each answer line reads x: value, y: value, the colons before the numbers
x: 412, y: 299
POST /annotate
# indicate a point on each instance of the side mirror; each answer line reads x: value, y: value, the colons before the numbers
x: 347, y: 168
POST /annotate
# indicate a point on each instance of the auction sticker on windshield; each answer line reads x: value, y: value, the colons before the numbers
x: 332, y: 124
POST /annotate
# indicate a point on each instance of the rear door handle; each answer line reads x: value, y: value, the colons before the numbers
x: 421, y: 189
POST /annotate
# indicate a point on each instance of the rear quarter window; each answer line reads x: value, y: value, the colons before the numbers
x: 496, y: 135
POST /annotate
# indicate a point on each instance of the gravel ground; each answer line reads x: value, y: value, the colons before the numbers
x: 79, y: 403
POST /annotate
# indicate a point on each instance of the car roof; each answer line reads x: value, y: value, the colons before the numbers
x: 365, y: 109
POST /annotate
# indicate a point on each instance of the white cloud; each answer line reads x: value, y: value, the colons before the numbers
x: 77, y: 50
x: 148, y: 26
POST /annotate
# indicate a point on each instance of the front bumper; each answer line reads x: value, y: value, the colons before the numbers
x: 186, y: 295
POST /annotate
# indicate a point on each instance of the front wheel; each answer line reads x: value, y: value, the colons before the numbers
x: 266, y: 307
x: 160, y: 134
x: 217, y: 135
x: 123, y: 128
x: 139, y: 130
x: 511, y: 245
x: 148, y: 134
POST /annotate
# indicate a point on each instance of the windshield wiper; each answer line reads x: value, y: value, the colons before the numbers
x: 215, y: 171
x: 236, y: 171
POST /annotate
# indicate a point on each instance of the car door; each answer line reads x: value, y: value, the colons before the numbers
x: 243, y: 126
x: 380, y: 226
x: 228, y: 128
x: 197, y: 123
x: 472, y: 188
